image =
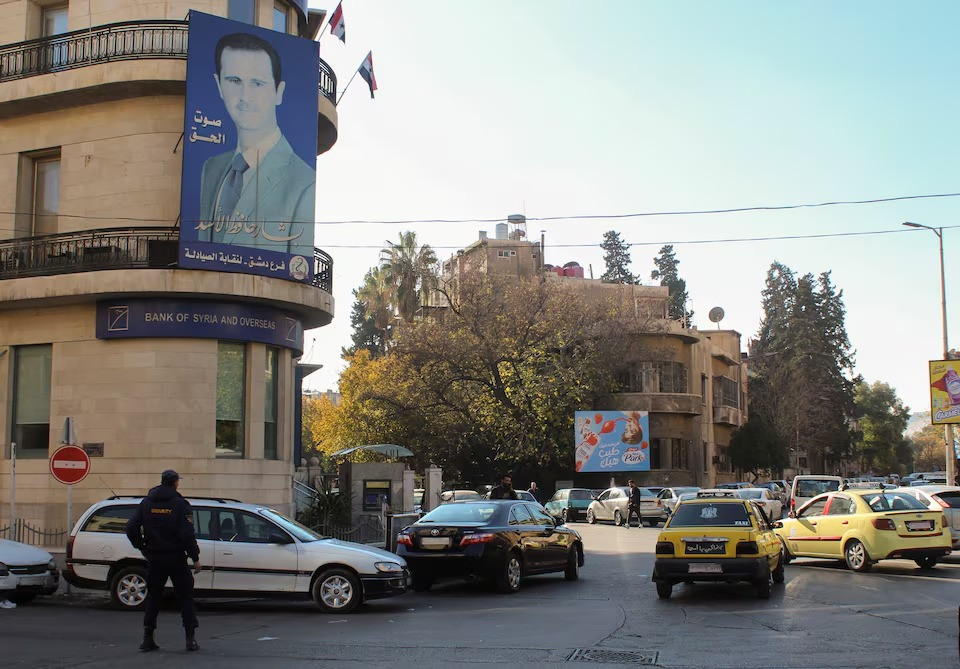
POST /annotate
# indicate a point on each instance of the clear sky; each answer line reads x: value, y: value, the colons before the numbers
x: 554, y: 108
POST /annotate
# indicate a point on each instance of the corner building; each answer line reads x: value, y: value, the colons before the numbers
x: 92, y: 98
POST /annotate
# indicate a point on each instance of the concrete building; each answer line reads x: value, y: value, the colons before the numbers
x: 92, y: 97
x: 692, y: 382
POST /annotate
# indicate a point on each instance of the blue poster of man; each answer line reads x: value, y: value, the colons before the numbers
x: 248, y: 191
x: 612, y: 441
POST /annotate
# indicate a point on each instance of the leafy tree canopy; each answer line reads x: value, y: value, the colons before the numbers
x: 616, y: 259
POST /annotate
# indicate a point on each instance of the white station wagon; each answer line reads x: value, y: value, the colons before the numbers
x: 245, y: 550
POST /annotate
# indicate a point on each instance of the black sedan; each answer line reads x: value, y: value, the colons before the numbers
x: 500, y: 540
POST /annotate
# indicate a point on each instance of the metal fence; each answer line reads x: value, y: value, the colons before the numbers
x: 127, y: 40
x: 28, y: 534
x: 369, y: 530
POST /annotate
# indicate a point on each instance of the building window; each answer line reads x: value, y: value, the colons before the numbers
x: 231, y: 381
x: 506, y: 254
x: 31, y: 399
x: 244, y: 11
x: 54, y: 21
x: 654, y: 377
x: 46, y: 195
x: 725, y: 392
x: 270, y: 405
x: 280, y: 17
x: 703, y: 389
x: 704, y: 448
x: 678, y: 454
x: 656, y: 453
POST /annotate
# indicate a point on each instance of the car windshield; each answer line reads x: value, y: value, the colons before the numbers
x: 526, y: 495
x: 813, y: 487
x: 581, y: 494
x: 418, y: 496
x: 751, y: 494
x: 301, y: 532
x: 460, y: 513
x: 892, y: 501
x: 708, y: 514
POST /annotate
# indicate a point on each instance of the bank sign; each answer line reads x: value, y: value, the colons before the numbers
x: 117, y: 319
x: 612, y: 441
x: 944, y: 391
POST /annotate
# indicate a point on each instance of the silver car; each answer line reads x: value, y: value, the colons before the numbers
x: 612, y: 504
x: 937, y: 497
x: 670, y: 496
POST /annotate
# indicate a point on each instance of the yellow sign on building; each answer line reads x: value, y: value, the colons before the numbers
x: 945, y: 391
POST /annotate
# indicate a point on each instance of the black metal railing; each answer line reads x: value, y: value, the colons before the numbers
x: 127, y: 40
x: 26, y: 533
x: 112, y: 248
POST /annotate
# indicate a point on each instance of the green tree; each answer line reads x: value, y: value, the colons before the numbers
x: 410, y: 271
x: 616, y: 258
x: 378, y: 297
x: 757, y: 448
x: 666, y: 270
x: 366, y: 333
x: 882, y: 418
x: 928, y: 449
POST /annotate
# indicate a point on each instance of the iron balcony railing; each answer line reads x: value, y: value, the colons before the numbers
x: 128, y: 40
x: 112, y: 248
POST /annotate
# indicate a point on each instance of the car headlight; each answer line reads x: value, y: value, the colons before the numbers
x: 52, y: 565
x: 389, y: 567
x: 3, y: 570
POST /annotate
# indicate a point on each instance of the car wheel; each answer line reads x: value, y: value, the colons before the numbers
x: 617, y: 518
x: 563, y: 517
x: 572, y: 572
x: 592, y: 519
x: 422, y: 583
x: 762, y: 586
x: 664, y: 589
x: 855, y: 555
x: 778, y: 575
x: 926, y: 562
x: 508, y: 580
x: 787, y: 556
x: 22, y: 599
x: 336, y: 591
x: 128, y: 589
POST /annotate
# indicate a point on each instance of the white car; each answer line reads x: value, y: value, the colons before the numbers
x: 937, y: 497
x: 26, y: 572
x: 244, y: 548
x: 772, y: 506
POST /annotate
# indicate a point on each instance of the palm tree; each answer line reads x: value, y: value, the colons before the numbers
x: 378, y: 298
x: 411, y: 271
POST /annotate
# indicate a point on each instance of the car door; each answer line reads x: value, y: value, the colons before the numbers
x: 204, y: 526
x: 834, y: 524
x: 601, y: 510
x: 767, y: 541
x: 802, y: 535
x: 246, y: 557
x: 522, y: 523
x: 664, y: 497
x: 555, y: 544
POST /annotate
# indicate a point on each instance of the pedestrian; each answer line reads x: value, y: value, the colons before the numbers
x: 162, y: 529
x: 505, y: 489
x: 533, y: 490
x: 633, y: 506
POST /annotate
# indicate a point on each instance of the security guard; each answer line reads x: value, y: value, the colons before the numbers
x: 162, y: 529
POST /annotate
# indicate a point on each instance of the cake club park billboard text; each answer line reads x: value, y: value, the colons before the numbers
x: 612, y: 441
x: 944, y: 391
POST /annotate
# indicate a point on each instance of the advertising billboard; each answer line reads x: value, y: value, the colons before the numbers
x: 945, y: 391
x: 248, y: 188
x: 612, y: 441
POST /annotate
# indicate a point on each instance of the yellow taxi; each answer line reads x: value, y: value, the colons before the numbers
x: 712, y: 538
x: 861, y: 527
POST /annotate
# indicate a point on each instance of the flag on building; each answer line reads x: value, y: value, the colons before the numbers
x: 366, y: 71
x: 337, y: 26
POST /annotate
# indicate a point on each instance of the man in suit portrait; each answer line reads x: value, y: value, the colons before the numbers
x: 261, y: 194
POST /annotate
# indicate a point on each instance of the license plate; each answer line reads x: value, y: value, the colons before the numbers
x: 706, y: 548
x: 916, y: 525
x: 709, y: 568
x: 435, y: 543
x: 31, y: 580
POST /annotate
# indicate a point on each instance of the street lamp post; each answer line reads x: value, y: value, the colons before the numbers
x: 949, y: 451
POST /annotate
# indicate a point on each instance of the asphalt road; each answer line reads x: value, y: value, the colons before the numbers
x: 824, y: 616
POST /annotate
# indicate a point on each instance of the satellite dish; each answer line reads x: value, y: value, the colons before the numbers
x: 716, y: 315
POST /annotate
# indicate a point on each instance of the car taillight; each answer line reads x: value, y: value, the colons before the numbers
x: 664, y: 548
x: 405, y: 540
x: 939, y: 500
x: 747, y: 548
x: 884, y: 524
x: 478, y: 538
x: 69, y: 548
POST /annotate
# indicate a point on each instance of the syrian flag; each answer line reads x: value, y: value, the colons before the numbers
x: 337, y: 26
x: 366, y: 71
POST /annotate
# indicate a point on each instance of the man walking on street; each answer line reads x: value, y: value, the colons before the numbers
x: 534, y: 490
x: 162, y: 529
x: 633, y: 506
x: 505, y: 489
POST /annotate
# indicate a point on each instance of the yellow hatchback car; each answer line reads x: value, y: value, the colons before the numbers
x: 718, y: 539
x: 861, y: 527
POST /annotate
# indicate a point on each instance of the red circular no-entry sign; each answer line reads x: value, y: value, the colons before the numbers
x: 69, y: 464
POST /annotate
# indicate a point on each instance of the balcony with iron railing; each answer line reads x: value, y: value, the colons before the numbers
x: 111, y: 249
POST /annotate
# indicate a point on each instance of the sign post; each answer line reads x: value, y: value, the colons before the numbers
x: 13, y: 491
x: 68, y: 465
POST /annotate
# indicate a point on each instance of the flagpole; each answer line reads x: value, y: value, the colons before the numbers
x: 344, y: 91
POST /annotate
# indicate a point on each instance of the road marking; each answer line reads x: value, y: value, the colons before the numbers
x: 881, y: 574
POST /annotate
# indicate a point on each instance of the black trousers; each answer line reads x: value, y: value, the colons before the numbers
x: 631, y: 509
x: 159, y: 569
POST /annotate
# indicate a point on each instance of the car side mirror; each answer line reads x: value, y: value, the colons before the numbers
x: 279, y: 539
x: 777, y: 524
x: 792, y: 514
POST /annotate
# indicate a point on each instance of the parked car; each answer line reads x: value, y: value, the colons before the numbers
x: 777, y: 491
x: 612, y: 504
x: 861, y: 527
x: 772, y: 506
x: 524, y: 495
x: 244, y: 548
x: 26, y: 572
x: 570, y: 504
x: 806, y: 487
x: 734, y: 486
x: 670, y: 496
x: 718, y: 539
x: 944, y: 498
x: 448, y: 496
x: 501, y: 540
